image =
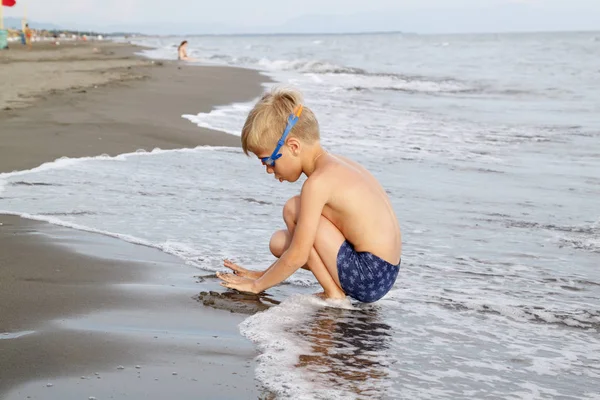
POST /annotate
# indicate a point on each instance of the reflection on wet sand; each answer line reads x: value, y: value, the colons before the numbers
x: 348, y: 351
x: 243, y: 303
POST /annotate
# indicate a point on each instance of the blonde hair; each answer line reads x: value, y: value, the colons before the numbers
x: 267, y: 120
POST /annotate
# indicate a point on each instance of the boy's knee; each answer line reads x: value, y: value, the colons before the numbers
x: 279, y: 243
x: 291, y: 209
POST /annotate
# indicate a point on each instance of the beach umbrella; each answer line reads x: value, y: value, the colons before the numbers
x: 5, y: 3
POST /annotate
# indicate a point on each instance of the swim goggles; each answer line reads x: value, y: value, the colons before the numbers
x: 292, y: 119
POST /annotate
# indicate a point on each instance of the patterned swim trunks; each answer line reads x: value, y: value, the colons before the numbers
x: 364, y: 276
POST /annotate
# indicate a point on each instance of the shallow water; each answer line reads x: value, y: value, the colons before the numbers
x: 489, y: 149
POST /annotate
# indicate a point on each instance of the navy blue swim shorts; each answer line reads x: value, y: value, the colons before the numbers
x: 364, y: 276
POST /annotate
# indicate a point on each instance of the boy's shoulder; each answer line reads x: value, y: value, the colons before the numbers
x: 336, y: 167
x: 331, y: 173
x: 329, y: 169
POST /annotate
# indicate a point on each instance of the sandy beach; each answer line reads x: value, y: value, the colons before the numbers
x: 88, y: 316
x: 137, y: 106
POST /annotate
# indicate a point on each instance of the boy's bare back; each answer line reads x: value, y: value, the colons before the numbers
x: 358, y: 206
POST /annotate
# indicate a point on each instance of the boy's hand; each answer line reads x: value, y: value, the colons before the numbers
x: 241, y: 271
x: 242, y: 284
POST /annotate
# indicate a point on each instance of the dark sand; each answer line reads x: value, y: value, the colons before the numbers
x: 78, y: 306
x: 75, y: 306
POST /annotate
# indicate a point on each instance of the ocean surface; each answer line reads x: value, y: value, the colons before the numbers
x: 489, y: 147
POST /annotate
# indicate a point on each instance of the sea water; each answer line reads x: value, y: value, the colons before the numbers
x: 489, y: 147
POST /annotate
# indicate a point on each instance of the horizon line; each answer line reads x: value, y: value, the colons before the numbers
x: 100, y: 30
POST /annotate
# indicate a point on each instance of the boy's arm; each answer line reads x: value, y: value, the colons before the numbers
x: 314, y: 196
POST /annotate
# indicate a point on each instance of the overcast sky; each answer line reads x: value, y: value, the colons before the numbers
x: 422, y: 16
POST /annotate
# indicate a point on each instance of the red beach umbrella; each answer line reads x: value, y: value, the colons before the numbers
x: 5, y: 3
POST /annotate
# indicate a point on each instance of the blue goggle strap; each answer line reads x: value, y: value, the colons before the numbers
x: 292, y: 119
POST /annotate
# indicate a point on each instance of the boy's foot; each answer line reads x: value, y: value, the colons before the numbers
x: 321, y: 295
x: 337, y: 296
x: 241, y: 271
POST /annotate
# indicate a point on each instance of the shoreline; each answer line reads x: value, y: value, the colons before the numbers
x: 80, y: 305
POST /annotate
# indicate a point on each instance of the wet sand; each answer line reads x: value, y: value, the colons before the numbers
x: 81, y: 311
x: 83, y: 315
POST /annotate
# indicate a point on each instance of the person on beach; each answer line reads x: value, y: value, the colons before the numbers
x: 182, y: 52
x: 341, y: 227
x: 28, y: 35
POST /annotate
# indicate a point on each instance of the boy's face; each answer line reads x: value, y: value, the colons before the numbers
x: 288, y: 166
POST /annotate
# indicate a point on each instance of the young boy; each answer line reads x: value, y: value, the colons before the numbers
x: 341, y: 227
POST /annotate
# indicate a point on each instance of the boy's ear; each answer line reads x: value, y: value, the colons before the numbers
x: 294, y: 145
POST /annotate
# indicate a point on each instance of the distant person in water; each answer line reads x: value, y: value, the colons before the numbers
x: 182, y: 52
